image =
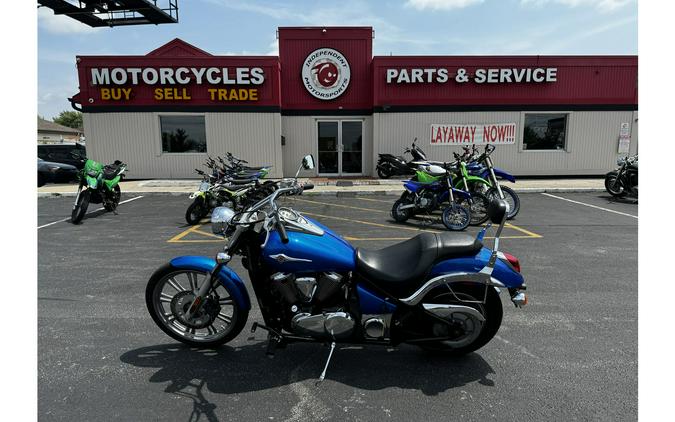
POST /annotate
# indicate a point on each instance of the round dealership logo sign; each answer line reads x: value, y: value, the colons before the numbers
x: 326, y: 73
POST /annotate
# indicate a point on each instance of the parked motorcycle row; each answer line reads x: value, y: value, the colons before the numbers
x: 229, y: 182
x: 439, y: 291
x: 462, y: 189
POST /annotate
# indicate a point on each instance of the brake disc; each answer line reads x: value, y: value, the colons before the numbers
x: 202, y: 318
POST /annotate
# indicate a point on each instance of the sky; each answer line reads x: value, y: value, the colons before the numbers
x: 402, y: 27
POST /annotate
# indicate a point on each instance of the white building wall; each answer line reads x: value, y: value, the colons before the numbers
x: 135, y: 138
x: 301, y: 134
x: 592, y: 140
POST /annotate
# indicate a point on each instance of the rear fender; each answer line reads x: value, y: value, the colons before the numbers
x: 227, y: 277
x: 502, y: 273
x: 411, y: 186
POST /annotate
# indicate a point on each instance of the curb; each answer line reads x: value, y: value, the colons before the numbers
x: 331, y: 192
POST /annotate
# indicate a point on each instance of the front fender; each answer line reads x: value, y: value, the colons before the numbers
x: 228, y: 278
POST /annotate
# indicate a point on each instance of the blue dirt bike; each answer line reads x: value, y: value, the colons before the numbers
x: 437, y: 291
x: 429, y: 189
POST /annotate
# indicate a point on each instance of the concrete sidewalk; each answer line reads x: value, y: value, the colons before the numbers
x: 325, y: 186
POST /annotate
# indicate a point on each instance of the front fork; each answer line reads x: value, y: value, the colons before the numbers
x: 493, y: 177
x: 77, y: 197
x: 222, y: 259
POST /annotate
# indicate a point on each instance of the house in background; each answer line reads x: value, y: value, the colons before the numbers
x: 49, y: 132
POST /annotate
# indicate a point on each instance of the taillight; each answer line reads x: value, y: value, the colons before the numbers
x: 513, y: 261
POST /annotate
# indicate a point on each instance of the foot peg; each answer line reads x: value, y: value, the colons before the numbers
x: 325, y: 368
x: 275, y: 340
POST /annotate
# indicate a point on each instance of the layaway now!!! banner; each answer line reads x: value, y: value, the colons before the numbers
x: 498, y: 134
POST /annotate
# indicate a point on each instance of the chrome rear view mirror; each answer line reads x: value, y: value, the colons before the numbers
x: 308, y: 162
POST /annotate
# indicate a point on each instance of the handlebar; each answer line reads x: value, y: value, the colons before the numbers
x: 282, y: 231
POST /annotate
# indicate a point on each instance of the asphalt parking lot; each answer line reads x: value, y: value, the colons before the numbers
x: 571, y: 354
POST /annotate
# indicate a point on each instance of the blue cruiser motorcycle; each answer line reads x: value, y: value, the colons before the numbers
x: 439, y: 291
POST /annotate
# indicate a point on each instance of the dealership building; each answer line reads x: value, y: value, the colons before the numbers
x: 325, y: 94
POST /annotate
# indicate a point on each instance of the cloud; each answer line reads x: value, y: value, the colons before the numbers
x: 564, y: 43
x: 61, y: 24
x: 441, y: 4
x: 601, y: 5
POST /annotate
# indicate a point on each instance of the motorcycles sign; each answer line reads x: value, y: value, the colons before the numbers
x: 326, y: 73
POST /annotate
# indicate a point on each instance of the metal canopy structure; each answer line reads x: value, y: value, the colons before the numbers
x: 97, y: 13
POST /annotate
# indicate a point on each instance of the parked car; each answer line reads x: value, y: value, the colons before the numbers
x: 72, y: 153
x: 50, y: 172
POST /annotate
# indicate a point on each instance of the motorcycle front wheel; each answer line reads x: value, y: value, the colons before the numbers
x: 469, y: 333
x: 196, y: 211
x: 614, y: 187
x: 114, y: 200
x: 455, y: 217
x: 80, y: 208
x: 478, y: 205
x: 170, y: 293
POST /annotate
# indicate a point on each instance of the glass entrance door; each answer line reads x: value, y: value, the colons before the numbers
x: 340, y: 147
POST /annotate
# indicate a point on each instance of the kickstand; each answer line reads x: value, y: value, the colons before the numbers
x: 325, y: 368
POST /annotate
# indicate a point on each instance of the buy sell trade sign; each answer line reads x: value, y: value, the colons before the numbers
x: 496, y: 134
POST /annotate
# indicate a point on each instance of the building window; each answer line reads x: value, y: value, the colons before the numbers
x: 183, y: 133
x: 544, y: 131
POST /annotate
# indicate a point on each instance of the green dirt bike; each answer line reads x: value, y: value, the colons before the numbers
x: 98, y: 184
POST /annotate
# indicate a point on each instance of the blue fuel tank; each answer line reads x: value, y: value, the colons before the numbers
x: 306, y: 252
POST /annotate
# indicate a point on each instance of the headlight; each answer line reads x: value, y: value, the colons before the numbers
x: 619, y: 162
x: 220, y: 218
x: 92, y: 173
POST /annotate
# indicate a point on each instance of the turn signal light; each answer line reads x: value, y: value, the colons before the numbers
x: 513, y: 261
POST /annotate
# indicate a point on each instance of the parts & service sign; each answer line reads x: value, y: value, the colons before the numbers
x: 326, y: 73
x: 498, y: 133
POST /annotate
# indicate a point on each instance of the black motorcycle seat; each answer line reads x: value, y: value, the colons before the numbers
x: 399, y: 269
x: 110, y: 171
x: 240, y: 181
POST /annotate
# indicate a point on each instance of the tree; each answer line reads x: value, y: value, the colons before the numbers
x: 69, y: 118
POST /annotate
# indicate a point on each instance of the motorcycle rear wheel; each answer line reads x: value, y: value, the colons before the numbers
x: 114, y: 201
x: 400, y: 215
x: 80, y: 208
x: 478, y: 207
x: 167, y: 283
x: 492, y: 312
x: 383, y: 173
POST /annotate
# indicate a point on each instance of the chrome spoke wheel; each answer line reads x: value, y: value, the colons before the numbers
x: 172, y: 297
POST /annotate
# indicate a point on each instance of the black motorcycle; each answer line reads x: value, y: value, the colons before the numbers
x: 391, y: 165
x: 624, y: 180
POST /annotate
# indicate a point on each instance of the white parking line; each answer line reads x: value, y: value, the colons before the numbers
x: 90, y: 212
x: 589, y: 205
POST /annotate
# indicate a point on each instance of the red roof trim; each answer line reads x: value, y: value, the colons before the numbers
x: 178, y: 48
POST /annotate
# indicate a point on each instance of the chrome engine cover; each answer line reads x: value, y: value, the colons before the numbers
x: 334, y: 325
